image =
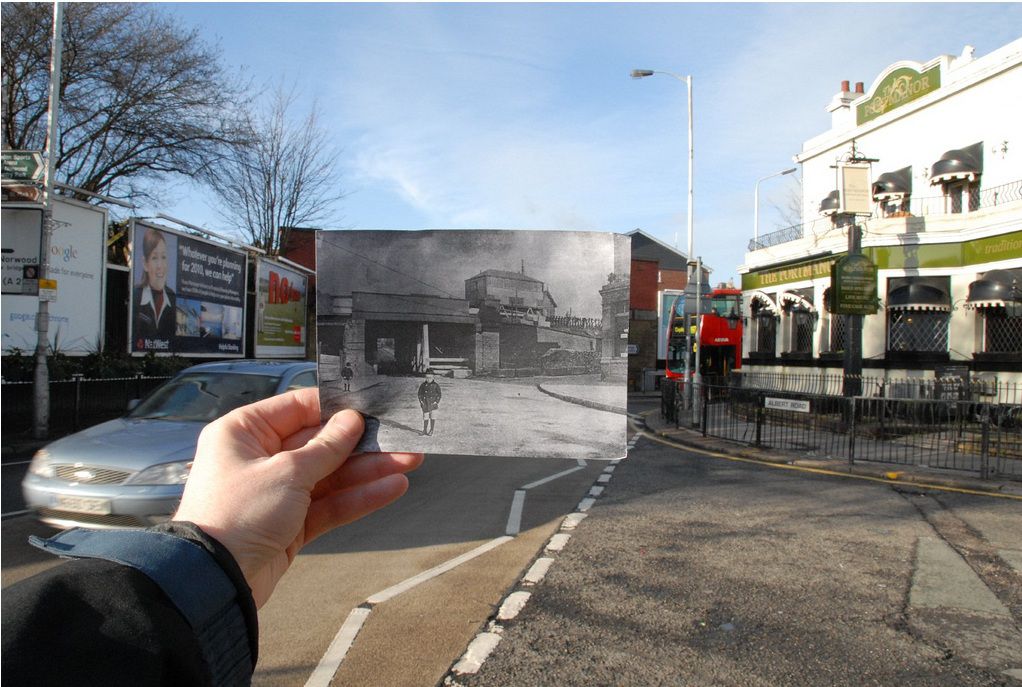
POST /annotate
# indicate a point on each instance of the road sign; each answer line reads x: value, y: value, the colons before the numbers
x: 22, y: 193
x: 22, y: 165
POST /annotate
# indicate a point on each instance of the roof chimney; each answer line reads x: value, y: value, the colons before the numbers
x: 839, y: 108
x: 859, y: 86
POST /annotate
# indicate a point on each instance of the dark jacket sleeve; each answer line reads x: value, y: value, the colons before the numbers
x: 92, y: 621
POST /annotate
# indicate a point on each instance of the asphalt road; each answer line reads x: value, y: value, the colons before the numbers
x: 696, y: 570
x: 455, y: 505
x: 688, y: 569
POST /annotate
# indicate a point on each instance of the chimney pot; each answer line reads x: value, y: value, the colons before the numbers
x: 844, y: 86
x: 859, y: 86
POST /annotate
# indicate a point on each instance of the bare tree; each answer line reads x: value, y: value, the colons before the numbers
x: 286, y: 178
x: 789, y: 206
x: 140, y: 96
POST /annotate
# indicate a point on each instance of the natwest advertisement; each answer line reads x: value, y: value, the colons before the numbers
x: 280, y: 311
x: 187, y: 296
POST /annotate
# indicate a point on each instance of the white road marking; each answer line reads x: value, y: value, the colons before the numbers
x: 426, y: 575
x: 538, y: 571
x: 478, y: 651
x: 558, y: 541
x: 331, y: 660
x: 551, y: 478
x: 514, y: 518
x: 609, y: 469
x: 595, y: 491
x: 585, y: 504
x: 338, y: 648
x: 603, y: 479
x: 572, y: 520
x: 513, y: 605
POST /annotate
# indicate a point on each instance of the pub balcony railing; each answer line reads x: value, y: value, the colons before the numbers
x: 929, y: 206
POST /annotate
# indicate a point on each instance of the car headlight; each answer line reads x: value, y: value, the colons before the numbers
x: 40, y: 464
x: 165, y: 473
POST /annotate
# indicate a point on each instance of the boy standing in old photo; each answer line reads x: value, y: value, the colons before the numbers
x: 429, y: 400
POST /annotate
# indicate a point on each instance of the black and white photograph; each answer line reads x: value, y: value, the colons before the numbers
x: 507, y: 343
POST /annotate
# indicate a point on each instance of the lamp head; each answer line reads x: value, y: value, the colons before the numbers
x: 640, y: 73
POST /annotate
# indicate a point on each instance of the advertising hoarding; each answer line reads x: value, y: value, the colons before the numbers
x: 187, y: 296
x: 77, y: 263
x: 280, y: 322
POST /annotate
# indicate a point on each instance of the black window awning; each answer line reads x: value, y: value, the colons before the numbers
x: 919, y: 296
x: 893, y: 185
x: 993, y: 290
x: 829, y: 205
x: 965, y: 163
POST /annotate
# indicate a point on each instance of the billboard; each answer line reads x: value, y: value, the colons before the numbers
x: 281, y: 299
x: 187, y: 296
x: 76, y: 262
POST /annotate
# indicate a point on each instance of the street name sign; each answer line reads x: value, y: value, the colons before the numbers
x: 786, y: 404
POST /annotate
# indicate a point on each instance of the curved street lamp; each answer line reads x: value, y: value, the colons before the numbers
x: 643, y: 73
x: 692, y: 265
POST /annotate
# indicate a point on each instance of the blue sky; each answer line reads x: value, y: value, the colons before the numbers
x: 523, y: 116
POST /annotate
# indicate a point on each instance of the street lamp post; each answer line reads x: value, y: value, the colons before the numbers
x: 755, y: 228
x: 641, y: 74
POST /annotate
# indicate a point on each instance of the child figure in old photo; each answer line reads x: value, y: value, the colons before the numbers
x: 346, y: 374
x: 429, y: 400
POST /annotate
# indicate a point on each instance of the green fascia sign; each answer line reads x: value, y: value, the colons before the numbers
x: 927, y: 255
x: 901, y: 86
x: 853, y: 279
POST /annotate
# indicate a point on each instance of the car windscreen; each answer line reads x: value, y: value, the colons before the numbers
x: 203, y: 397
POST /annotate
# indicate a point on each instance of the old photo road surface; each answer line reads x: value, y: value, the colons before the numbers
x: 506, y: 343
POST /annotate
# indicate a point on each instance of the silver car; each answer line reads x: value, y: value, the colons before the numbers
x: 130, y: 472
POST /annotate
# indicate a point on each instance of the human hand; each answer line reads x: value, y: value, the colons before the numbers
x: 268, y: 479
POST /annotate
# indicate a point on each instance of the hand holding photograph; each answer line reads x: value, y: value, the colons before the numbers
x: 506, y: 343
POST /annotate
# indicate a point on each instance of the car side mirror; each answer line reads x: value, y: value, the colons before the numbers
x: 133, y: 403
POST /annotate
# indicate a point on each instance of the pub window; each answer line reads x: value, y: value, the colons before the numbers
x: 837, y: 338
x: 896, y: 207
x: 1002, y: 333
x: 766, y: 332
x: 917, y: 331
x: 962, y: 196
x: 918, y: 315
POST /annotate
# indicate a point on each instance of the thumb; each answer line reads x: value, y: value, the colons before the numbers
x: 328, y: 449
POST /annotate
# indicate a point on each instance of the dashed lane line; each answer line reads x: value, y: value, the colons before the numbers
x: 345, y: 637
x: 487, y: 640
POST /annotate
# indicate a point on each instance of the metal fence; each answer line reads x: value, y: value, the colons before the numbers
x: 74, y: 404
x: 918, y: 207
x: 831, y: 383
x: 984, y: 438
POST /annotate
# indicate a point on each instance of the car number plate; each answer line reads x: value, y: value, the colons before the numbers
x: 82, y: 504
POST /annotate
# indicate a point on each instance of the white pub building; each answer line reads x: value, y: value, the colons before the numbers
x: 945, y: 233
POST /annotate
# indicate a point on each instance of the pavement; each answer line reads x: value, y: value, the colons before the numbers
x: 917, y: 475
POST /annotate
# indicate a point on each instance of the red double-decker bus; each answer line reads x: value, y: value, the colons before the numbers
x: 719, y: 337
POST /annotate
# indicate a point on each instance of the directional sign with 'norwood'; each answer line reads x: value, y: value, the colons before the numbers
x: 22, y: 165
